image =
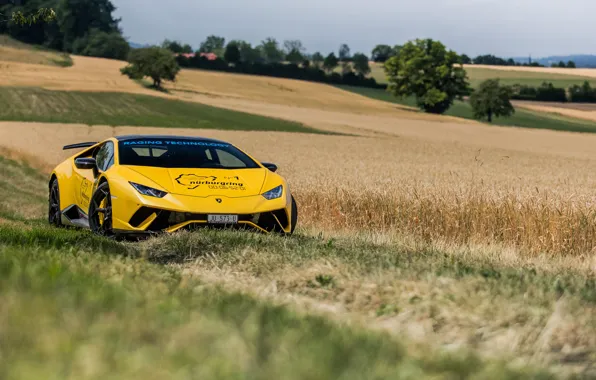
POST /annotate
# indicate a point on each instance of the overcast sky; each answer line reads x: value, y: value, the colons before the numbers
x: 501, y: 27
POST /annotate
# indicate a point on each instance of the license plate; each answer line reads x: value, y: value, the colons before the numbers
x: 222, y: 219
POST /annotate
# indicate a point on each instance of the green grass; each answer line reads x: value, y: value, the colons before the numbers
x: 521, y: 118
x: 122, y: 109
x: 476, y: 75
x: 88, y: 313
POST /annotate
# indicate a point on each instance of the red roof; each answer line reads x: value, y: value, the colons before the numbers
x: 209, y: 56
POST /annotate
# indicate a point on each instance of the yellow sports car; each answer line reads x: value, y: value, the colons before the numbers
x: 139, y: 185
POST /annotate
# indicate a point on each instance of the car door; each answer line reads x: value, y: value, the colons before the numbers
x: 104, y: 158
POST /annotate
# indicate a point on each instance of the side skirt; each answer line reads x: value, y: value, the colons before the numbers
x: 74, y: 216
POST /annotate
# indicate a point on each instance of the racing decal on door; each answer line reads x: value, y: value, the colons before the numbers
x: 193, y: 181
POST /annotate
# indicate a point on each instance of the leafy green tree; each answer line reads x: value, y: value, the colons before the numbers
x: 330, y: 62
x: 361, y: 64
x: 232, y: 54
x: 344, y: 53
x: 271, y: 51
x: 294, y: 56
x: 396, y: 50
x: 174, y: 46
x: 101, y: 44
x: 381, y: 53
x: 571, y: 65
x: 491, y: 99
x: 154, y: 62
x: 77, y: 17
x: 317, y: 59
x: 294, y: 45
x: 465, y: 60
x: 186, y: 49
x: 428, y: 71
x: 72, y: 20
x: 247, y: 52
x: 213, y: 44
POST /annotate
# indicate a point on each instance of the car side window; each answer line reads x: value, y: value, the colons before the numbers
x: 105, y: 156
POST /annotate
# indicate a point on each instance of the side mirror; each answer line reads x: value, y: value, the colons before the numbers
x: 85, y: 163
x: 270, y: 166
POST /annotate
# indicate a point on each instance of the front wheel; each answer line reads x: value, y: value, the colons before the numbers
x: 100, y: 211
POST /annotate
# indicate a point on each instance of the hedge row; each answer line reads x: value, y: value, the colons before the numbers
x: 549, y: 93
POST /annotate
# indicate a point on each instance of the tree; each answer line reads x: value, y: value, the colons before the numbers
x: 330, y: 62
x: 317, y: 59
x: 396, y: 50
x: 77, y: 17
x: 465, y: 60
x: 571, y: 65
x: 247, y: 52
x: 154, y: 62
x: 294, y: 56
x: 491, y: 99
x: 428, y: 71
x: 174, y: 46
x: 232, y: 54
x: 361, y: 65
x: 213, y: 44
x: 294, y: 45
x: 381, y: 53
x: 344, y: 53
x: 271, y: 51
x: 101, y: 44
x: 73, y: 20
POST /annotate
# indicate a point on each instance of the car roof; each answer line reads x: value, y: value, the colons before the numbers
x: 163, y: 137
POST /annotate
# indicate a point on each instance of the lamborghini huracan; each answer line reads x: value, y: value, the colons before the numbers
x: 145, y: 184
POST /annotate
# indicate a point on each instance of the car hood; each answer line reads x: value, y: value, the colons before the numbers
x: 206, y: 182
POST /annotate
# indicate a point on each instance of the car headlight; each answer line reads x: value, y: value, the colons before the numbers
x: 146, y: 190
x: 274, y: 193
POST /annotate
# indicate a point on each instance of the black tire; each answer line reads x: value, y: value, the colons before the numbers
x: 100, y: 211
x: 54, y: 213
x: 294, y: 215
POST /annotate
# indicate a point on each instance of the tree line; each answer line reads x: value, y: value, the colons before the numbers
x: 84, y: 27
x: 273, y: 58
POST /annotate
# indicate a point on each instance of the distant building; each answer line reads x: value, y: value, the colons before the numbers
x: 209, y: 56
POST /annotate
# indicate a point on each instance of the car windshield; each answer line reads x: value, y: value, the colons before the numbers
x: 179, y: 153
